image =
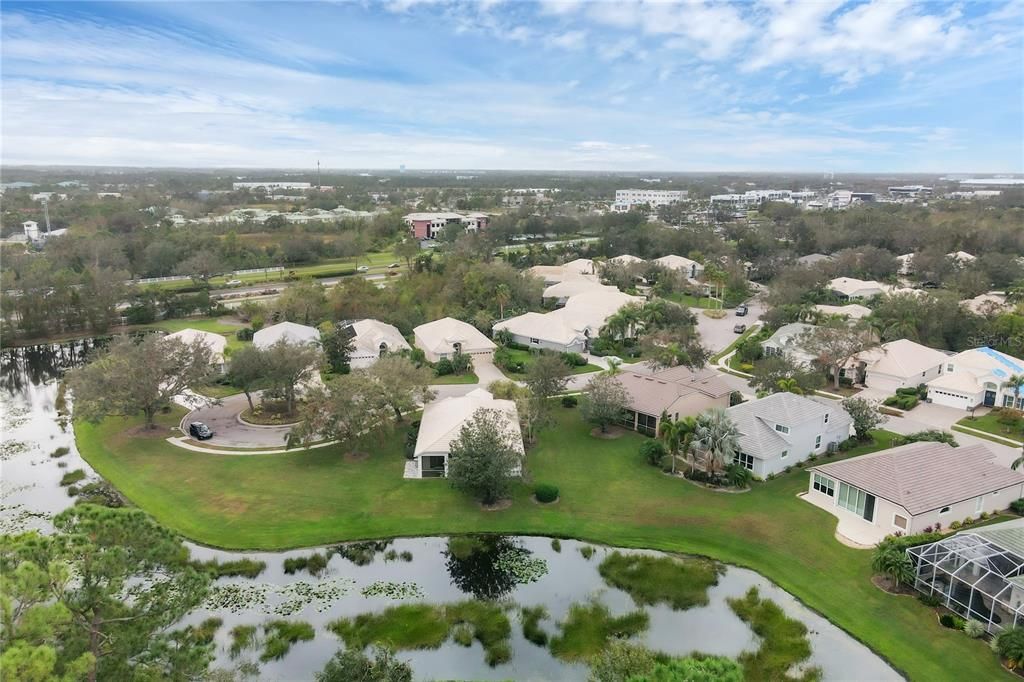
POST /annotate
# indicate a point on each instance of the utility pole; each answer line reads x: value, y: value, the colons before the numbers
x: 318, y: 175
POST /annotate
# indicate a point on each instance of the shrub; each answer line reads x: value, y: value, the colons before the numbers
x: 244, y: 334
x: 929, y: 600
x: 966, y: 522
x: 847, y: 444
x: 462, y: 363
x: 574, y: 359
x: 1017, y: 506
x: 653, y: 451
x: 974, y: 629
x: 545, y: 492
x: 946, y: 621
x: 983, y: 516
x: 570, y: 401
x: 891, y: 401
x: 443, y: 367
x: 738, y: 476
x: 935, y: 435
x: 1010, y: 645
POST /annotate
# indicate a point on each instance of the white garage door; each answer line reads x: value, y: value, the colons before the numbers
x: 882, y: 382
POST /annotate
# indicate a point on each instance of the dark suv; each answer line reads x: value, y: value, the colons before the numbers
x: 200, y: 431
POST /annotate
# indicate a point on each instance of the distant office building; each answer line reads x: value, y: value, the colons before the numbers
x: 625, y: 199
x: 430, y: 225
x: 270, y: 185
x: 753, y: 198
x: 910, y: 191
x: 993, y: 182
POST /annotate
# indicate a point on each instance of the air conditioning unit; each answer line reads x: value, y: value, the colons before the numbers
x: 833, y: 446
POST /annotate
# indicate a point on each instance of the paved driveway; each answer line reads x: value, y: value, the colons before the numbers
x: 935, y: 418
x: 229, y: 432
x: 718, y: 334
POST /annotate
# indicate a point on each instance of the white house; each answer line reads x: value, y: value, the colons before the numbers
x: 569, y: 329
x: 690, y: 269
x: 568, y: 288
x: 442, y: 422
x: 553, y: 274
x: 626, y: 259
x: 372, y: 339
x: 899, y: 364
x: 853, y: 311
x: 785, y: 341
x: 782, y: 429
x: 445, y: 337
x: 215, y: 342
x: 289, y: 332
x: 986, y: 304
x: 850, y: 287
x: 977, y: 377
x: 908, y: 488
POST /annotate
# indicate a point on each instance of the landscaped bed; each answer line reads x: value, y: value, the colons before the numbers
x: 518, y: 355
x: 608, y: 495
x: 996, y: 423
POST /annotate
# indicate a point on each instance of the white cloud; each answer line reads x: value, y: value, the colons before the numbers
x: 570, y: 40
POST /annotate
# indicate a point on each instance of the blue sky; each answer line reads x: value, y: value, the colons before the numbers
x: 873, y: 85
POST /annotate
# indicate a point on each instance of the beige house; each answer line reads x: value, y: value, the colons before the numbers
x: 690, y: 269
x: 442, y: 422
x: 568, y: 288
x: 372, y: 339
x: 625, y: 259
x: 853, y: 311
x: 677, y: 392
x: 445, y: 337
x: 553, y: 274
x: 288, y: 332
x: 911, y: 487
x: 215, y: 342
x: 899, y: 364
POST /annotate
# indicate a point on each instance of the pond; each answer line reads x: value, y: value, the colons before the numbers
x: 371, y: 577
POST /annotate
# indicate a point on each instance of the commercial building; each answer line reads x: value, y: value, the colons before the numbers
x: 430, y: 225
x: 625, y: 199
x: 270, y: 185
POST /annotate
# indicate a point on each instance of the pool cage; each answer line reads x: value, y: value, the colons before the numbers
x: 974, y: 577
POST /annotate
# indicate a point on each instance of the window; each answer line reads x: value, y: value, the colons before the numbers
x: 781, y: 429
x: 817, y: 441
x: 899, y: 521
x: 784, y: 455
x: 824, y: 485
x: 979, y: 503
x: 744, y: 460
x: 532, y: 340
x: 944, y: 510
x: 1007, y: 401
x: 826, y: 417
x: 949, y: 368
x: 857, y: 501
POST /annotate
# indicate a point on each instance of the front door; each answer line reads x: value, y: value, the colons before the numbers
x: 990, y: 398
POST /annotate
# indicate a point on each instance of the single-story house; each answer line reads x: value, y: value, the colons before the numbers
x: 785, y: 341
x: 553, y: 274
x: 372, y: 339
x: 908, y: 488
x: 568, y: 288
x: 571, y: 328
x: 782, y: 429
x: 986, y: 304
x: 445, y: 337
x: 690, y: 269
x: 851, y: 288
x: 289, y: 332
x: 442, y: 422
x: 977, y: 377
x: 961, y: 258
x: 626, y: 259
x: 853, y: 311
x: 813, y: 259
x: 898, y: 364
x: 215, y: 342
x: 676, y: 391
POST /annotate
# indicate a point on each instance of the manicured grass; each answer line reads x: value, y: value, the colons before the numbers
x: 449, y: 379
x: 983, y: 436
x: 681, y: 583
x: 608, y: 495
x: 204, y: 324
x: 989, y: 423
x: 218, y: 390
x: 526, y: 357
x: 784, y: 641
x: 589, y: 628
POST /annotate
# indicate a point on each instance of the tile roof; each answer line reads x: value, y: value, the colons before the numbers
x: 902, y: 358
x: 921, y: 477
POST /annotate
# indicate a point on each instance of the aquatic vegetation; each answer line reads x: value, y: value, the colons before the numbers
x: 315, y: 563
x: 531, y: 617
x: 361, y: 553
x: 247, y: 568
x: 587, y: 551
x: 490, y: 566
x: 407, y: 626
x: 60, y: 452
x: 521, y: 565
x: 73, y: 477
x: 556, y: 544
x: 242, y: 637
x: 403, y: 590
x: 590, y: 626
x: 281, y: 600
x: 10, y: 449
x: 462, y: 634
x: 681, y: 583
x: 280, y: 635
x: 464, y: 546
x: 490, y: 625
x: 101, y: 493
x: 784, y: 642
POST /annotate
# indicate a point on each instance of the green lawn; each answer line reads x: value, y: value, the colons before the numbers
x: 607, y: 495
x: 526, y: 357
x: 448, y: 379
x: 989, y: 423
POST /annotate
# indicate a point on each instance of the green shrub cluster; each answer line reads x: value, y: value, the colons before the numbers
x: 570, y: 401
x: 545, y: 492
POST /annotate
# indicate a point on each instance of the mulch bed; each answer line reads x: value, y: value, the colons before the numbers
x: 612, y: 433
x: 883, y: 583
x: 356, y: 456
x: 497, y: 506
x: 533, y: 498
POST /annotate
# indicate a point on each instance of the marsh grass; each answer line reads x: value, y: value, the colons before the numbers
x: 490, y: 625
x: 242, y: 637
x: 247, y: 568
x: 407, y: 626
x: 72, y: 477
x: 649, y: 580
x: 280, y: 635
x: 531, y: 618
x: 60, y: 452
x: 589, y: 628
x: 784, y: 641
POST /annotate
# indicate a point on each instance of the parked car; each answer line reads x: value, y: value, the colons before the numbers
x: 363, y: 268
x: 234, y: 282
x: 200, y: 431
x: 392, y: 266
x: 740, y: 328
x: 741, y: 310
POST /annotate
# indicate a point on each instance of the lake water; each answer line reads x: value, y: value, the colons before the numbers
x: 30, y: 494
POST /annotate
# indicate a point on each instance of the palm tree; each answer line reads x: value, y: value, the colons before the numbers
x: 502, y: 296
x: 613, y: 367
x: 717, y: 438
x: 894, y: 563
x: 676, y: 435
x: 789, y: 385
x: 1016, y: 383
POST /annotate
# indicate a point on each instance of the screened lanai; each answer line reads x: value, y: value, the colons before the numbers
x: 978, y: 574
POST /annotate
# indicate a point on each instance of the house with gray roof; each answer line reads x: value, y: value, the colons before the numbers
x: 785, y: 341
x: 911, y: 487
x: 783, y: 429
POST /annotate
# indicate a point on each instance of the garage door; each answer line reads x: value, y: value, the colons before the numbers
x: 882, y: 382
